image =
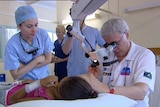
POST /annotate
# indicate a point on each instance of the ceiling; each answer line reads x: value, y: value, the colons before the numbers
x: 51, y: 4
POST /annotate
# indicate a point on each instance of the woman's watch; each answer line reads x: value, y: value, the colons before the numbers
x: 112, y: 89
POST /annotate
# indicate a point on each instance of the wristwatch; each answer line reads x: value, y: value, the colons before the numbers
x: 112, y: 89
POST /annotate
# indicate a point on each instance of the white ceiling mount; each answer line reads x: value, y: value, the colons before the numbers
x: 142, y: 6
x: 106, y: 11
x: 29, y: 2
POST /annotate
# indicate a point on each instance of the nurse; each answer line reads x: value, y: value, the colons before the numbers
x: 28, y: 53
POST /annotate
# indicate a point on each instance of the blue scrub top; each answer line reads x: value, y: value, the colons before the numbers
x: 77, y: 62
x: 15, y: 53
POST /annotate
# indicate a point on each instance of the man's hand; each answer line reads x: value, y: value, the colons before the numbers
x: 94, y: 70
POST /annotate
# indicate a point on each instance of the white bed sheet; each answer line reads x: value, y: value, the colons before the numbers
x: 104, y: 100
x: 2, y: 105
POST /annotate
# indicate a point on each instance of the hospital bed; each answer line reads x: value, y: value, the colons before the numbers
x: 103, y: 100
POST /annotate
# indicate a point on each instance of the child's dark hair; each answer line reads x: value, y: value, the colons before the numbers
x: 75, y: 87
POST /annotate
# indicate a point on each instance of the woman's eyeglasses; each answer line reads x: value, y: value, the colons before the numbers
x: 33, y: 51
x: 30, y: 51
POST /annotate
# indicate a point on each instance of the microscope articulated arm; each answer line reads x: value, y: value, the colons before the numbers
x: 79, y: 10
x: 82, y: 8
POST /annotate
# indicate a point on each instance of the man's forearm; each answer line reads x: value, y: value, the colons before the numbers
x: 68, y: 45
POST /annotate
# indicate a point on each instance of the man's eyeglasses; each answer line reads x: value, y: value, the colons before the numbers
x: 30, y: 51
x: 115, y: 42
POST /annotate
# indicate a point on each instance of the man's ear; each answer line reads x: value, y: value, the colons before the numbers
x: 127, y: 34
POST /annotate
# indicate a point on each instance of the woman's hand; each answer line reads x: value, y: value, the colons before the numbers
x: 49, y: 81
x: 40, y: 59
x: 56, y: 59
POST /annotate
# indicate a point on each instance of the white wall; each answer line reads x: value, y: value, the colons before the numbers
x: 144, y: 24
x: 7, y: 10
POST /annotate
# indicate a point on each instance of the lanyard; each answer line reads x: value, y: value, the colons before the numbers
x: 108, y: 75
x: 29, y: 51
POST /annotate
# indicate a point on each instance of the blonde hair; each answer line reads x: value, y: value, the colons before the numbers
x: 61, y: 28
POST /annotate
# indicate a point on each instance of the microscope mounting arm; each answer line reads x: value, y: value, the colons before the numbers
x: 79, y: 10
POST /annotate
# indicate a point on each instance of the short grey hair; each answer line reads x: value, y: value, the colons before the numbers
x: 114, y: 25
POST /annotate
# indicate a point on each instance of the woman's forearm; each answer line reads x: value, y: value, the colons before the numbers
x: 48, y: 59
x: 24, y: 69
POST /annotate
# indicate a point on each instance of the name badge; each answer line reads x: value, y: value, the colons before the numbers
x: 125, y: 71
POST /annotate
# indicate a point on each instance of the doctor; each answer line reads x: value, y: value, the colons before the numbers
x: 133, y: 75
x: 28, y: 53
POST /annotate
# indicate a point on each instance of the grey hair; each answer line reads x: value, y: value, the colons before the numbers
x: 114, y: 25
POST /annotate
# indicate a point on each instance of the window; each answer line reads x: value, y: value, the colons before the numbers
x: 1, y: 43
x: 7, y: 32
x: 52, y: 36
x: 10, y: 32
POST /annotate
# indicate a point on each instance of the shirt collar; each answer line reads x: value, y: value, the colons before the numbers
x: 84, y: 27
x: 132, y: 49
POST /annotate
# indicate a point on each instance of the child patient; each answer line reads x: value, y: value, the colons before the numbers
x: 69, y: 88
